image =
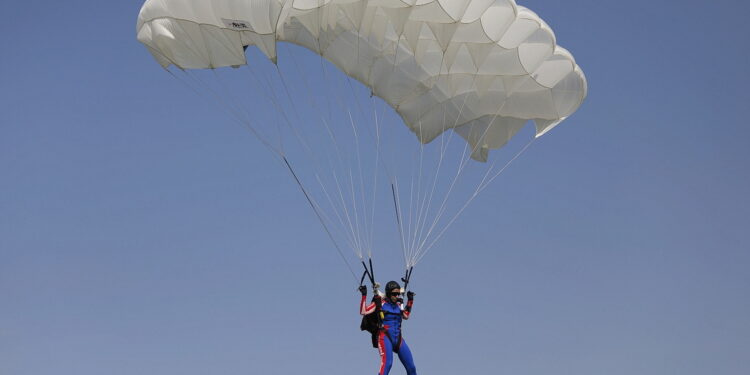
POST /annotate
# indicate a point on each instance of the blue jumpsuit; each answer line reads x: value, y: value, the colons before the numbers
x: 390, y: 341
x: 389, y: 338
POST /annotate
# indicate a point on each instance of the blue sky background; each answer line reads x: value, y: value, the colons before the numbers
x: 142, y: 232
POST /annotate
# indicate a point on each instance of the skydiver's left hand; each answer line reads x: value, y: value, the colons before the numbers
x: 410, y: 295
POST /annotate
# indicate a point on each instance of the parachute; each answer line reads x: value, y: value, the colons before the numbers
x: 481, y: 69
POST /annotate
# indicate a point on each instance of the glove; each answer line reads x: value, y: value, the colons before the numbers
x: 363, y: 290
x: 377, y: 298
x: 410, y: 295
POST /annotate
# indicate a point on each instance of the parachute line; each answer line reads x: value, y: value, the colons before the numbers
x: 246, y: 123
x: 443, y: 147
x: 419, y: 193
x: 398, y: 220
x: 313, y: 206
x: 462, y: 165
x: 474, y: 195
x: 359, y: 231
x: 352, y: 235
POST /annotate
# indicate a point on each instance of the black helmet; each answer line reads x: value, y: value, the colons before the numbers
x: 390, y: 286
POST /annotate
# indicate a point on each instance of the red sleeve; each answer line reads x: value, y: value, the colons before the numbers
x: 364, y: 308
x: 407, y: 310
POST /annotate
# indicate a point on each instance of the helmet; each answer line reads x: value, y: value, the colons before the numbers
x: 390, y: 286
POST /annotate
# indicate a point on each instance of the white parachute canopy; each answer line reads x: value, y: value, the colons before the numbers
x: 480, y: 67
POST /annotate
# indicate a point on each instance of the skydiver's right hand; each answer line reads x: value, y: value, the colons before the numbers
x: 363, y: 290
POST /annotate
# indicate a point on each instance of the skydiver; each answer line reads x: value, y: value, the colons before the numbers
x: 388, y: 334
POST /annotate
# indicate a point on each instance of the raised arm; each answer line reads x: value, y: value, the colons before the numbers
x: 364, y: 308
x: 409, y: 303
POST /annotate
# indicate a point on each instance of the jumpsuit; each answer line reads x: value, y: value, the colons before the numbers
x: 389, y: 337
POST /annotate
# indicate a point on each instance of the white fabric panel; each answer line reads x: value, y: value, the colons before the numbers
x: 489, y: 132
x: 491, y: 61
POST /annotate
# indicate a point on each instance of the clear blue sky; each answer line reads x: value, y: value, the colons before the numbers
x: 142, y: 232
